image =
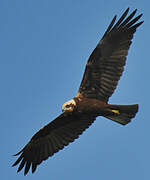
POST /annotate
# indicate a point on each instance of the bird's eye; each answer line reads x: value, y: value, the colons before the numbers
x: 67, y: 106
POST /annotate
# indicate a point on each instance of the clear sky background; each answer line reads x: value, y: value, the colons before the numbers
x: 44, y: 46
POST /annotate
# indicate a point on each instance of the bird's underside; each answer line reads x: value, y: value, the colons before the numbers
x: 102, y: 73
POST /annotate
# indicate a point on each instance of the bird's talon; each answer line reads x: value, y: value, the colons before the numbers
x: 115, y: 111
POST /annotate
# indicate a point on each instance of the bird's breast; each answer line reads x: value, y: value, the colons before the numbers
x: 89, y: 105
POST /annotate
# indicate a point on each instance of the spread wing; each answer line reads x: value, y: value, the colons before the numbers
x: 106, y: 63
x: 52, y: 138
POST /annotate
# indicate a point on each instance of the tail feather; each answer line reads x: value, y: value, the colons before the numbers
x: 124, y: 113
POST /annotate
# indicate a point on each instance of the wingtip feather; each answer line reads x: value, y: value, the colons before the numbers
x: 127, y: 10
x: 18, y: 160
x: 34, y: 166
x: 28, y: 164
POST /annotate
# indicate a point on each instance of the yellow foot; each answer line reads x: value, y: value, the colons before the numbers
x: 115, y: 111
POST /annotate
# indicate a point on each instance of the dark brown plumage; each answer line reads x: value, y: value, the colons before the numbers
x: 102, y: 73
x: 106, y: 63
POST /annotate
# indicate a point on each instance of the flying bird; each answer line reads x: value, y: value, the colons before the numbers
x: 102, y: 73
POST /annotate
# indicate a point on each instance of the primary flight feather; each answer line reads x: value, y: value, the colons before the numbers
x: 102, y: 73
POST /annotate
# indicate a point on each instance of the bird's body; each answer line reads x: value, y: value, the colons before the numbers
x: 102, y: 73
x: 87, y: 105
x: 95, y: 107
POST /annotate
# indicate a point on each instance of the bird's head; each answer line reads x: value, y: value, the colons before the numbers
x: 69, y: 106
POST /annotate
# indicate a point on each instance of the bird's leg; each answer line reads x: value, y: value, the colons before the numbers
x: 116, y: 112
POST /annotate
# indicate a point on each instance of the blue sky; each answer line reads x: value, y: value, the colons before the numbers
x: 44, y: 47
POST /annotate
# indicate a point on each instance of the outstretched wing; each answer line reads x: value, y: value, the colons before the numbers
x: 52, y: 138
x: 106, y: 63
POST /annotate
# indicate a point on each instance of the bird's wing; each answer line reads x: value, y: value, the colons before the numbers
x: 106, y: 63
x: 51, y: 138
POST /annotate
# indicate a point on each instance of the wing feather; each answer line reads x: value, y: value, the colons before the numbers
x: 106, y: 63
x: 50, y: 147
x: 34, y: 166
x: 27, y: 167
x: 52, y: 138
x: 21, y: 165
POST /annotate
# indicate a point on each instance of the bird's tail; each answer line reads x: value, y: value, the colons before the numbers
x: 122, y: 113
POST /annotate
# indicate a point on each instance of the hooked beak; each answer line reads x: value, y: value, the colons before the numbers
x: 63, y: 109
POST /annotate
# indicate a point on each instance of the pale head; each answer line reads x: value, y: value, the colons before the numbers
x: 69, y: 105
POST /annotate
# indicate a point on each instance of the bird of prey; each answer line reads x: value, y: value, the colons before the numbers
x: 102, y: 73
